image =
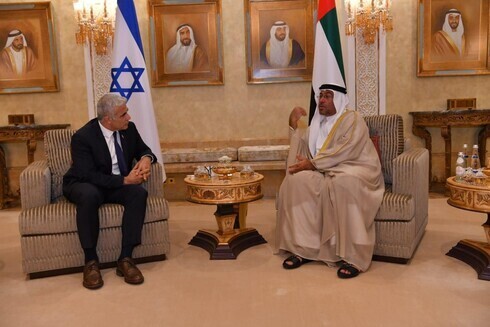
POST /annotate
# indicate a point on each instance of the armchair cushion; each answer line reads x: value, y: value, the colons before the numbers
x: 60, y: 217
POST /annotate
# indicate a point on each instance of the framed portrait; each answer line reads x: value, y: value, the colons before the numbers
x: 279, y: 40
x: 186, y: 42
x: 28, y: 52
x: 453, y: 38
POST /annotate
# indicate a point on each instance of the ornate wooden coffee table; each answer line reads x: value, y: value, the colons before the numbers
x: 231, y: 197
x: 473, y: 198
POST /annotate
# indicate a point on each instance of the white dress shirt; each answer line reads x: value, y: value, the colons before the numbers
x: 112, y: 149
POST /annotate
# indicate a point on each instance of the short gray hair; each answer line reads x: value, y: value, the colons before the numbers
x: 106, y: 105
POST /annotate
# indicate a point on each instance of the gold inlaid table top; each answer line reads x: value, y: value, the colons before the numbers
x: 469, y: 196
x: 224, y: 191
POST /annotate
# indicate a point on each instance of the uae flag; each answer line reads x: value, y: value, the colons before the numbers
x: 328, y: 66
x: 130, y: 77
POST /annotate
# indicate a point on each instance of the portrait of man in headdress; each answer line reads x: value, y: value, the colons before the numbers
x: 16, y: 58
x: 452, y: 38
x: 28, y: 56
x: 449, y: 43
x: 281, y: 51
x: 186, y: 56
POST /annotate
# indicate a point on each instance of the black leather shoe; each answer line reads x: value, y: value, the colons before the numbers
x: 92, y: 279
x: 127, y: 268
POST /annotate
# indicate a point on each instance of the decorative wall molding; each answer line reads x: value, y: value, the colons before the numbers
x: 366, y: 74
x: 97, y: 71
x: 367, y: 90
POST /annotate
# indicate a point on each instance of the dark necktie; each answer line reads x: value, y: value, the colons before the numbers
x: 120, y: 156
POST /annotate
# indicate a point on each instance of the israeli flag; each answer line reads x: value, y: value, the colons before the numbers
x: 129, y: 75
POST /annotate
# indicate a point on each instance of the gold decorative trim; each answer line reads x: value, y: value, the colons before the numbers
x: 469, y: 197
x: 218, y: 191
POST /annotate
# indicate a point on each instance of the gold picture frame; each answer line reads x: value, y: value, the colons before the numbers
x: 449, y: 45
x: 264, y: 16
x: 32, y: 42
x: 171, y: 61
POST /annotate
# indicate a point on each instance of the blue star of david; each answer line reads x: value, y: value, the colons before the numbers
x: 126, y: 67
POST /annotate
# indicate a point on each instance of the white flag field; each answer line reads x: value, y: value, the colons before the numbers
x: 130, y: 77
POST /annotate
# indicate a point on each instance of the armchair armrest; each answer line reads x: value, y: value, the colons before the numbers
x: 411, y: 177
x: 35, y: 185
x: 411, y: 172
x: 154, y: 185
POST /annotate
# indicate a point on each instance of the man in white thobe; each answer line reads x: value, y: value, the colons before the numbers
x: 332, y: 190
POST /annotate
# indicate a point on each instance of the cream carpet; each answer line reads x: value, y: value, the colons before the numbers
x: 188, y: 289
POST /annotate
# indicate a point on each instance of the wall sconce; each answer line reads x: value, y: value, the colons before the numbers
x: 95, y: 20
x: 368, y: 16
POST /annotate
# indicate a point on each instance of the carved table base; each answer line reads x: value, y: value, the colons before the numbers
x: 231, y: 197
x: 227, y: 247
x: 474, y: 253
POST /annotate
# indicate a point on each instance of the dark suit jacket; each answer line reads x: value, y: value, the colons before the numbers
x: 91, y: 160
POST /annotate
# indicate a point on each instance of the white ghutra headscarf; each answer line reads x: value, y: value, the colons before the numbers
x: 12, y: 35
x: 321, y: 125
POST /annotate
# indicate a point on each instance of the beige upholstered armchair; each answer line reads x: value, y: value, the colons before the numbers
x: 403, y: 215
x: 47, y: 223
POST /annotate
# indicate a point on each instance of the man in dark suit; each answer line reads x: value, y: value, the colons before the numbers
x: 99, y: 174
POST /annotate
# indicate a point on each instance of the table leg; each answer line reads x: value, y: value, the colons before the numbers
x: 31, y: 148
x: 4, y: 182
x: 424, y: 134
x: 7, y: 198
x: 482, y: 143
x: 225, y: 218
x: 446, y: 134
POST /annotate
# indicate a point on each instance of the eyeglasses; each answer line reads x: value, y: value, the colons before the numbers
x: 324, y: 95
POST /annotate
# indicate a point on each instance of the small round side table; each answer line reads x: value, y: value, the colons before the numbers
x: 473, y: 198
x: 231, y: 196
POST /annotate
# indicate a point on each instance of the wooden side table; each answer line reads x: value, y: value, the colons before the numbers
x: 445, y: 119
x: 29, y: 134
x: 231, y: 197
x: 473, y: 198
